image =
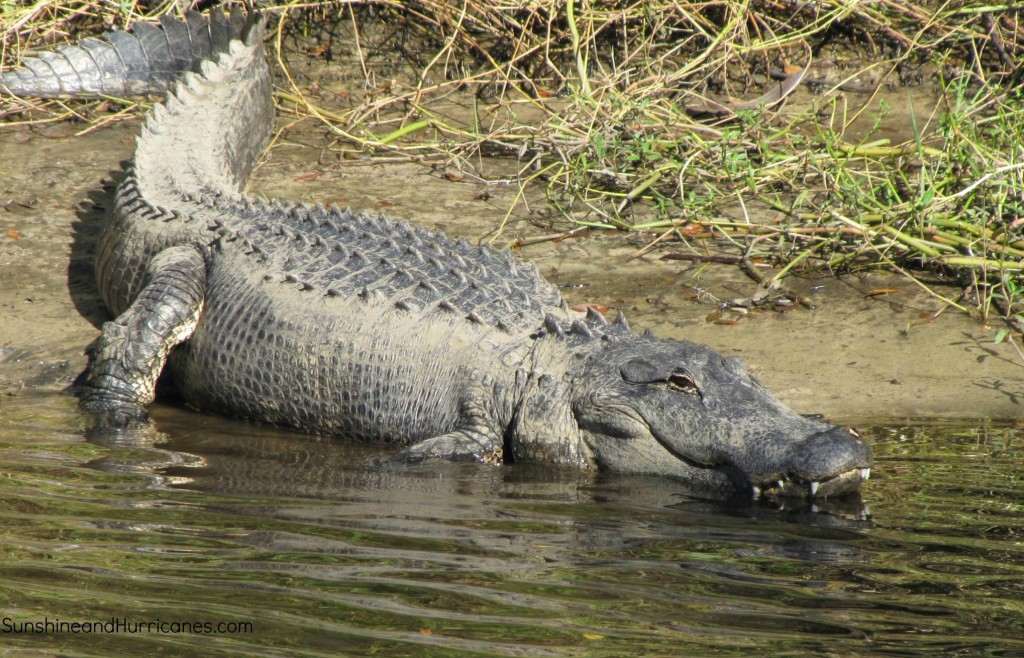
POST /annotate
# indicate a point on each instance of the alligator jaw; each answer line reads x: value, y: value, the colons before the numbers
x: 790, y: 485
x: 845, y: 483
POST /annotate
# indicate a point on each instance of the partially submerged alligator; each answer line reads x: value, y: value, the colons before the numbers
x: 340, y: 323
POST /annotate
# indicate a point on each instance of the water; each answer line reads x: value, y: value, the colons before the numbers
x: 289, y: 545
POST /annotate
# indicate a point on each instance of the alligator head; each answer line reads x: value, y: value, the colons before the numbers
x: 680, y: 409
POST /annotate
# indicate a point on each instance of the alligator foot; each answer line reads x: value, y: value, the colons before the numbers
x: 113, y: 417
x: 457, y: 446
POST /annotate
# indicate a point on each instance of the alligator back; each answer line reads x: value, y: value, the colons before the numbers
x: 342, y: 323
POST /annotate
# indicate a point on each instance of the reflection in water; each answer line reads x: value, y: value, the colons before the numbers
x: 308, y: 547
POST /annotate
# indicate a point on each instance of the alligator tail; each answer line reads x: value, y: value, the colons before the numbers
x: 146, y: 59
x: 218, y: 109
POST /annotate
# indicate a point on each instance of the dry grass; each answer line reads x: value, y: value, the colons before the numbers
x: 656, y: 116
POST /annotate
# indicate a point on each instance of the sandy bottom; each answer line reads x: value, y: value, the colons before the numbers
x: 854, y: 356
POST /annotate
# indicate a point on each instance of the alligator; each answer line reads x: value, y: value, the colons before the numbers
x: 337, y: 322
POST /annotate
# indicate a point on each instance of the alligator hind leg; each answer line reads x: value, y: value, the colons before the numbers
x: 132, y: 349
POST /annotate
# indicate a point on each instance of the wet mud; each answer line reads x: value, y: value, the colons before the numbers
x: 856, y: 354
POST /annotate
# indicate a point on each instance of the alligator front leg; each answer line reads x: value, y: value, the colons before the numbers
x: 474, y: 438
x: 460, y: 445
x: 131, y: 350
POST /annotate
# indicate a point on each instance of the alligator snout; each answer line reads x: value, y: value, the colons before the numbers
x: 830, y: 462
x: 824, y: 455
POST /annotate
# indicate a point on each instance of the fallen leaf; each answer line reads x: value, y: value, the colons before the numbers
x: 311, y: 176
x: 718, y: 317
x: 384, y: 203
x: 581, y: 308
x: 881, y: 291
x: 426, y: 631
x: 690, y: 230
x: 13, y: 234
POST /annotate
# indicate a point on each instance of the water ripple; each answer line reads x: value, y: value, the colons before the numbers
x: 305, y: 549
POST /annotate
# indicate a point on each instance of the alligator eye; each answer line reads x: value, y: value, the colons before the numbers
x: 683, y: 383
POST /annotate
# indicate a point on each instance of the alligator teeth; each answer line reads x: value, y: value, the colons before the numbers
x: 780, y: 484
x: 865, y: 473
x: 755, y: 491
x: 814, y: 488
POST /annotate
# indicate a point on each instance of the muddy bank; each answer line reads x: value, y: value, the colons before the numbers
x: 852, y: 356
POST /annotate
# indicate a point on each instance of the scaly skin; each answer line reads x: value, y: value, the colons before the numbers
x: 339, y: 323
